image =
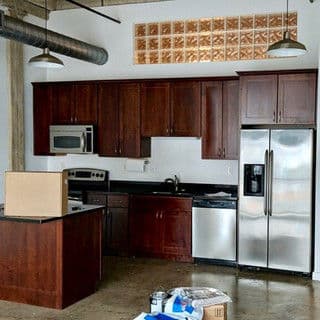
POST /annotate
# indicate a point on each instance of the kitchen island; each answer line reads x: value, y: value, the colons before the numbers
x: 51, y: 262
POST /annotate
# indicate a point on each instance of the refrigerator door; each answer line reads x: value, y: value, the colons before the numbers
x: 290, y: 208
x: 253, y: 219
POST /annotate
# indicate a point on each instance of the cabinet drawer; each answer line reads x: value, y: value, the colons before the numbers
x: 118, y: 201
x: 97, y: 198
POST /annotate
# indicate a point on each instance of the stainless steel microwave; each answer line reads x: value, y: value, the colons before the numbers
x: 71, y: 139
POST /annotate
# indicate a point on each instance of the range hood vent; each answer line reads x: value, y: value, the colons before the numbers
x: 27, y: 33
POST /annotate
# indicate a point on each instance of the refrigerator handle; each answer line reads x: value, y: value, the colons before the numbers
x: 266, y: 182
x: 270, y: 182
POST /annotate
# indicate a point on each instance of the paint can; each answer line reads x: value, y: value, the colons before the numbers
x: 158, y: 300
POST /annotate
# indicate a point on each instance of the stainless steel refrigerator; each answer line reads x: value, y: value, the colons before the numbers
x: 275, y: 199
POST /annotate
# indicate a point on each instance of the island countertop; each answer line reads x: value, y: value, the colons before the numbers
x: 73, y: 208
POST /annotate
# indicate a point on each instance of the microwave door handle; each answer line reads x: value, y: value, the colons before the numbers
x: 82, y: 142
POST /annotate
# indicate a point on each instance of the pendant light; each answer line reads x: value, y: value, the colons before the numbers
x: 286, y: 47
x: 46, y: 60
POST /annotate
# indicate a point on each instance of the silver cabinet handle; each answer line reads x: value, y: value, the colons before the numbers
x: 279, y: 116
x: 167, y: 130
x: 224, y: 152
x: 161, y: 215
x: 266, y: 184
x: 274, y: 116
x: 157, y: 215
x: 270, y: 181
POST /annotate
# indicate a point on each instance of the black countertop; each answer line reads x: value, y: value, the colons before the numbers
x: 74, y: 209
x: 167, y: 189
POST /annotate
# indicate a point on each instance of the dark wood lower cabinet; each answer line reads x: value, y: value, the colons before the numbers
x: 52, y: 264
x: 160, y: 227
x: 115, y: 234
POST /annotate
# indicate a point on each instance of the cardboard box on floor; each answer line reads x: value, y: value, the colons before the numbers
x: 36, y: 194
x: 215, y: 312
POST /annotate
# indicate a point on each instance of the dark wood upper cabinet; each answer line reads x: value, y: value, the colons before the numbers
x: 278, y: 98
x: 155, y: 109
x: 129, y: 115
x: 42, y: 118
x: 220, y: 119
x: 63, y: 105
x: 231, y: 126
x: 170, y: 108
x: 185, y: 108
x: 212, y: 120
x: 75, y: 103
x: 258, y: 99
x: 297, y: 98
x: 119, y: 121
x: 108, y: 120
x: 85, y: 104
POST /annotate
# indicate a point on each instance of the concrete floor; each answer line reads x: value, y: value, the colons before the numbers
x: 128, y: 282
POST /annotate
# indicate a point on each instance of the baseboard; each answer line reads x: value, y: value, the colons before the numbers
x: 316, y: 276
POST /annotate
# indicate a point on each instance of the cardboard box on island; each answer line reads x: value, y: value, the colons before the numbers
x: 36, y: 194
x: 215, y: 312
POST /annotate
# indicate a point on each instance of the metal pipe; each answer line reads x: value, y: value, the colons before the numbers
x: 27, y: 33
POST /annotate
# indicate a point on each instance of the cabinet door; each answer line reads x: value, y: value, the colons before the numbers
x: 231, y: 128
x: 185, y: 108
x: 155, y: 109
x: 129, y: 103
x: 145, y: 227
x: 108, y: 120
x: 85, y: 106
x: 297, y: 98
x: 258, y: 99
x: 63, y: 107
x: 42, y: 118
x: 176, y: 237
x: 117, y: 230
x: 211, y: 120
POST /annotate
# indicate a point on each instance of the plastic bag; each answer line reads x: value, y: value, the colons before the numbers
x: 201, y: 296
x: 158, y: 316
x: 182, y: 306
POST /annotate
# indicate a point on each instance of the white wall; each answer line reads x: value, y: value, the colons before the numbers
x: 169, y: 155
x: 4, y: 157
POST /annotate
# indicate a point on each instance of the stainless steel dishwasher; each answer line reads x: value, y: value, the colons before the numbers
x: 214, y: 229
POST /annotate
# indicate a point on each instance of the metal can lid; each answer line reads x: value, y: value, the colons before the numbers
x: 159, y: 295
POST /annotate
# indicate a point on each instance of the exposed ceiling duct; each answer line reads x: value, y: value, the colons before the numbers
x: 27, y: 33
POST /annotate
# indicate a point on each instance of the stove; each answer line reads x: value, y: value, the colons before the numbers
x: 81, y: 180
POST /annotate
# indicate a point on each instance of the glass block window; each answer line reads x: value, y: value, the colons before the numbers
x: 210, y: 39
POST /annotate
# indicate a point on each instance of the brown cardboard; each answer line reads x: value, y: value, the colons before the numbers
x: 36, y: 194
x: 215, y: 312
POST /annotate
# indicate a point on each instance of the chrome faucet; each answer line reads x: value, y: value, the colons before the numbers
x: 174, y: 181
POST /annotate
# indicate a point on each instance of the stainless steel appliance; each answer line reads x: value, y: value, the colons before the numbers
x: 81, y: 180
x: 214, y: 228
x: 71, y: 139
x: 275, y: 199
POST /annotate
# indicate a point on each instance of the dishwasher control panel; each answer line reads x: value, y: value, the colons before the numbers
x: 214, y: 203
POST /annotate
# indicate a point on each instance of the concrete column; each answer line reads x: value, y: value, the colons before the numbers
x: 316, y: 273
x: 16, y: 105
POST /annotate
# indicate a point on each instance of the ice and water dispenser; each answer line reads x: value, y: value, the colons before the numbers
x: 253, y: 180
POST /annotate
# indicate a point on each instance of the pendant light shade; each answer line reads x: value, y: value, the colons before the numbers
x: 286, y: 47
x: 46, y: 60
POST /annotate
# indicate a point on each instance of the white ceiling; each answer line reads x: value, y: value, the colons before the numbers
x: 37, y: 7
